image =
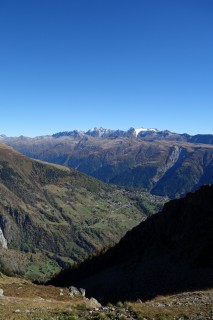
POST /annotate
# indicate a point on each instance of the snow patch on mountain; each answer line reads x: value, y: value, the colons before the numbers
x: 137, y: 131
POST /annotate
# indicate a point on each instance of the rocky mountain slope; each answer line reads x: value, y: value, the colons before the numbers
x: 170, y: 252
x: 161, y: 162
x: 51, y: 215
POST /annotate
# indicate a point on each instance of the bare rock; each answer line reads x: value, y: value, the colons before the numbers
x: 1, y: 292
x: 83, y: 292
x: 94, y: 303
x: 74, y: 292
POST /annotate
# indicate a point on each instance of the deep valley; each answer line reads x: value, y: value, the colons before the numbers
x: 52, y: 216
x: 98, y: 216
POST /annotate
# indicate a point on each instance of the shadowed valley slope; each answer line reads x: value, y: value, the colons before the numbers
x: 170, y: 252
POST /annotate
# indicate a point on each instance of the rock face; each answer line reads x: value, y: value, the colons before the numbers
x: 161, y: 162
x: 168, y: 253
x: 3, y: 241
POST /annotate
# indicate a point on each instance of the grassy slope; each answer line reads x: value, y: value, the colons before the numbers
x: 25, y: 301
x: 52, y: 216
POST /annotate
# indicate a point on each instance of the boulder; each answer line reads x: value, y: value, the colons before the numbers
x: 94, y: 303
x: 83, y: 292
x: 74, y: 292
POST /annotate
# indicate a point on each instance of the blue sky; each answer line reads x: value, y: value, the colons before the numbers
x: 77, y: 64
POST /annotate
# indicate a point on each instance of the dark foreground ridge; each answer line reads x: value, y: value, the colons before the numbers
x: 170, y: 252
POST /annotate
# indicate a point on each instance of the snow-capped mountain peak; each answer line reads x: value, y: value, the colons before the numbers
x: 98, y: 132
x: 108, y: 133
x: 137, y: 131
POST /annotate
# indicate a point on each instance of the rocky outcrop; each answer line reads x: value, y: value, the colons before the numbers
x: 170, y: 162
x: 94, y: 303
x: 3, y: 241
x: 75, y: 292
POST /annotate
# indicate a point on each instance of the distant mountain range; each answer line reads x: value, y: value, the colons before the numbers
x: 170, y: 252
x: 51, y: 216
x: 161, y: 162
x: 147, y: 134
x: 107, y: 133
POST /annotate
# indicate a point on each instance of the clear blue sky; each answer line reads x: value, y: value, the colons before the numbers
x: 76, y: 64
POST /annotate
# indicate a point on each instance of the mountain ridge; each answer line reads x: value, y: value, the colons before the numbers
x: 146, y: 133
x: 163, y: 167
